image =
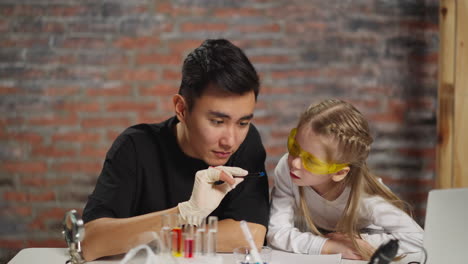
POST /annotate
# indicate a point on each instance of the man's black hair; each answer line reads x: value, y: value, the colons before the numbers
x: 220, y: 63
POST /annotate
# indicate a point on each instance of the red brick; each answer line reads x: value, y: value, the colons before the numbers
x: 37, y: 224
x: 376, y: 90
x: 415, y: 197
x: 8, y: 90
x: 29, y: 197
x: 171, y: 75
x: 166, y: 8
x: 83, y: 42
x: 61, y: 59
x: 53, y: 213
x: 205, y: 27
x: 17, y: 211
x: 253, y: 28
x: 112, y: 135
x: 431, y: 58
x: 79, y: 107
x: 114, y: 91
x: 419, y: 25
x: 45, y: 182
x: 65, y: 11
x: 48, y: 243
x: 159, y: 90
x: 264, y: 120
x: 180, y: 47
x: 25, y: 166
x: 306, y: 27
x: 236, y: 12
x: 276, y: 150
x: 133, y: 75
x: 254, y: 43
x: 29, y: 137
x: 23, y: 42
x: 420, y: 153
x: 88, y: 151
x: 61, y: 91
x: 12, y: 243
x: 75, y: 137
x: 130, y: 106
x: 270, y: 166
x: 158, y: 59
x: 166, y: 104
x: 150, y: 118
x: 281, y: 133
x: 3, y: 29
x: 406, y: 182
x: 52, y: 151
x: 180, y: 11
x: 271, y: 59
x: 105, y: 122
x: 386, y: 118
x: 78, y: 166
x: 51, y: 27
x: 291, y: 74
x: 370, y: 103
x: 138, y: 42
x: 54, y: 120
x: 266, y: 89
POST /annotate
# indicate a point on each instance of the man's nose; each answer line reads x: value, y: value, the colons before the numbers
x: 228, y: 138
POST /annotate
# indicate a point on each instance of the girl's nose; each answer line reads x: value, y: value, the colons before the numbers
x: 296, y: 162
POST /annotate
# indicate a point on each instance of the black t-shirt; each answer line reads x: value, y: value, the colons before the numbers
x: 145, y: 171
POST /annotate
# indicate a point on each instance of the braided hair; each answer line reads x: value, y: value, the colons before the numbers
x: 347, y: 126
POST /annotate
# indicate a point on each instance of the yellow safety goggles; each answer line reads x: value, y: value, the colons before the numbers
x: 309, y: 161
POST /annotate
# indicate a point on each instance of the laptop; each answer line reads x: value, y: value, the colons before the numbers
x: 446, y: 226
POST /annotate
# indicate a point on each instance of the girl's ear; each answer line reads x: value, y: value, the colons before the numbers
x: 180, y: 107
x: 339, y: 176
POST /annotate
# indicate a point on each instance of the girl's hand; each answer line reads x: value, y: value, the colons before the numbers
x: 338, y: 247
x: 346, y: 241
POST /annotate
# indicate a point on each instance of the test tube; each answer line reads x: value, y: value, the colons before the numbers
x: 166, y: 233
x: 211, y: 236
x: 176, y: 236
x: 200, y: 237
x: 189, y: 239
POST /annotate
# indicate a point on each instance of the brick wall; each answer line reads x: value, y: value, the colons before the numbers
x: 74, y: 74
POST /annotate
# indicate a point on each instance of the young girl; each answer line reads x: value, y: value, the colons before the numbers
x: 325, y: 200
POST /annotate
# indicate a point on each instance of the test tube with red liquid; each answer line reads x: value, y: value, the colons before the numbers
x: 189, y: 240
x: 176, y: 236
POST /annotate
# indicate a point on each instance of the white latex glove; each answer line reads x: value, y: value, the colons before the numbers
x: 205, y: 195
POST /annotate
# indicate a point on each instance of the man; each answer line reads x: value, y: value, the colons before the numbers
x: 170, y: 167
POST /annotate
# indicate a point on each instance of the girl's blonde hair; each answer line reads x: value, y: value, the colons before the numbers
x: 345, y: 124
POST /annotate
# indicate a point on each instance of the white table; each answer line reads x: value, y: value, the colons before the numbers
x: 60, y: 255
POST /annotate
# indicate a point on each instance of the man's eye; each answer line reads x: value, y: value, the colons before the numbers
x: 243, y: 124
x: 216, y: 122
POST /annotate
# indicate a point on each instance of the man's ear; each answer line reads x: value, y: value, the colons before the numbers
x: 339, y: 176
x: 180, y: 107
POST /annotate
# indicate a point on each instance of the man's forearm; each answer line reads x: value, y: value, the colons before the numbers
x: 111, y: 236
x: 230, y: 235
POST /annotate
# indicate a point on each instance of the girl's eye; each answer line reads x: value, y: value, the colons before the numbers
x: 295, y: 150
x: 311, y: 161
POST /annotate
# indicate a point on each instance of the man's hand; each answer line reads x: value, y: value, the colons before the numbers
x: 206, y: 196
